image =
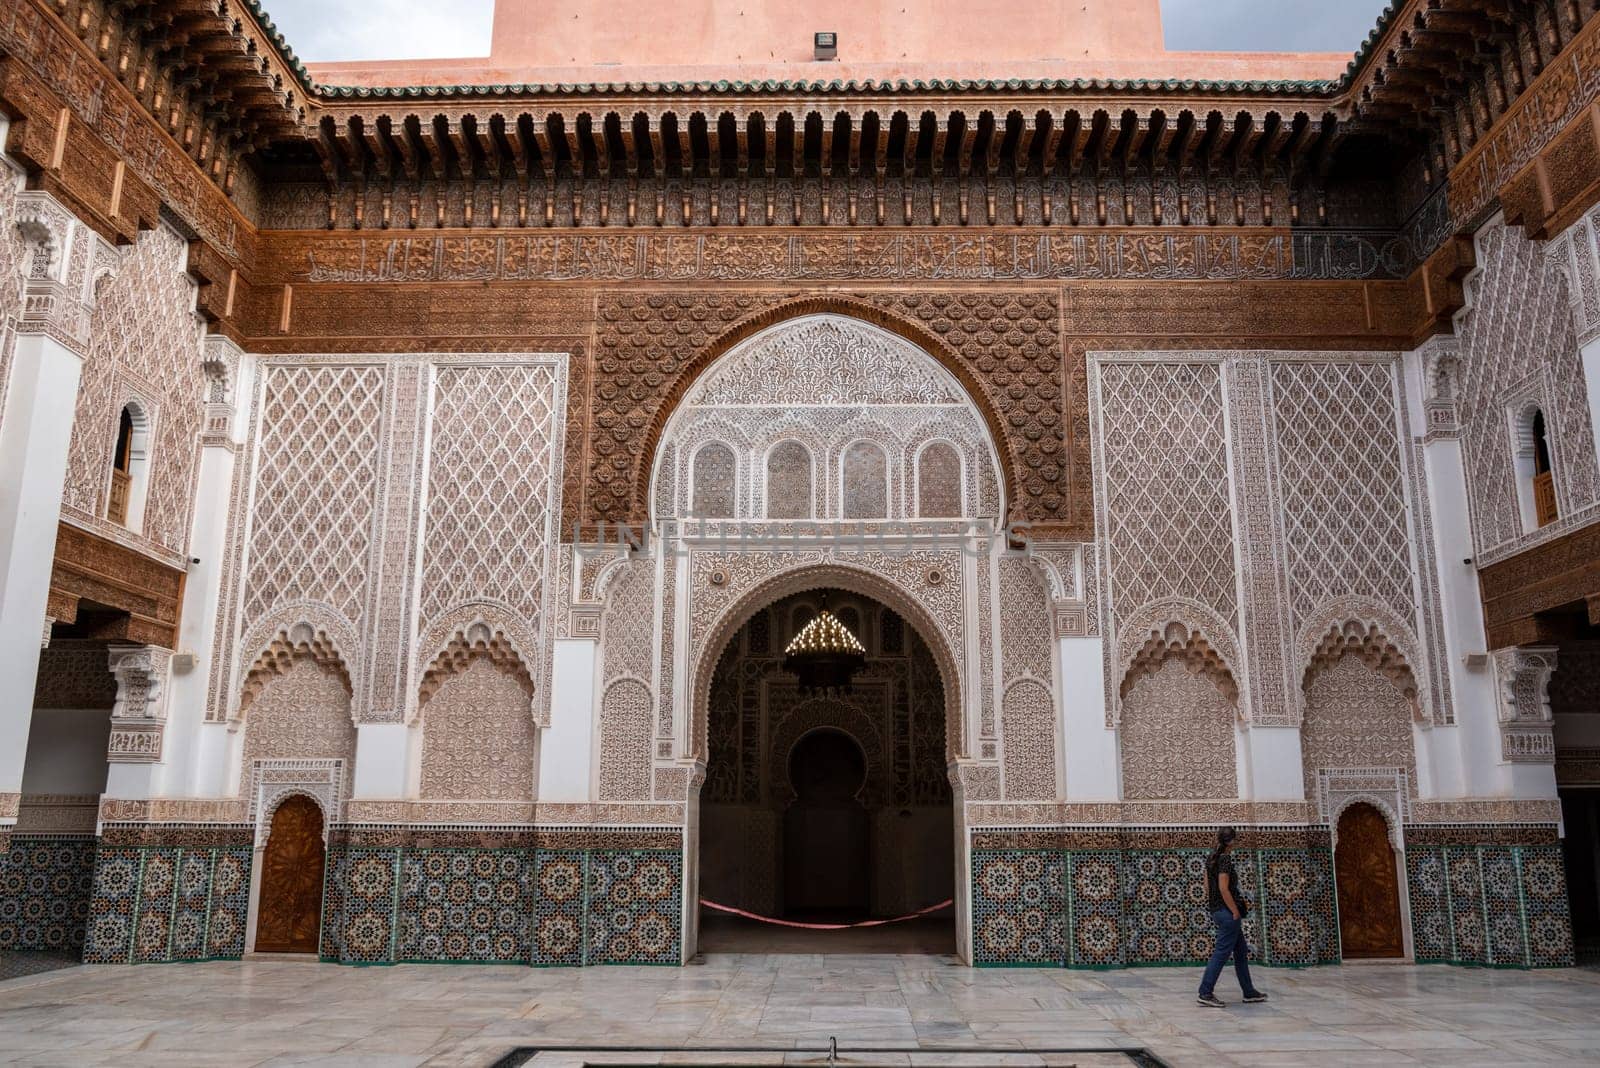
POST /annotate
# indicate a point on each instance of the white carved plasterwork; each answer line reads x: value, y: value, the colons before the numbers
x: 269, y: 783
x: 302, y: 713
x: 1519, y: 327
x: 824, y: 360
x: 145, y: 351
x: 139, y: 714
x: 1342, y: 481
x: 478, y: 741
x: 825, y: 384
x: 493, y: 502
x: 1576, y: 254
x: 1522, y: 677
x: 1355, y: 716
x: 1177, y: 735
x: 63, y: 263
x: 220, y: 362
x: 1386, y: 789
x: 314, y: 495
x: 1441, y: 385
x: 1179, y: 628
x: 1365, y: 628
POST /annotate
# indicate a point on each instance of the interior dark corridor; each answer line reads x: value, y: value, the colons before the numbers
x: 826, y: 808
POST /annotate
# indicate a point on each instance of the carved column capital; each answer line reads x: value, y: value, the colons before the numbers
x: 139, y: 714
x: 220, y: 363
x: 1441, y: 380
x: 66, y: 263
x: 1522, y: 692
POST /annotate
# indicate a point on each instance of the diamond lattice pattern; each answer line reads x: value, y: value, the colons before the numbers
x: 315, y: 488
x: 1344, y: 506
x: 491, y: 486
x: 1166, y: 486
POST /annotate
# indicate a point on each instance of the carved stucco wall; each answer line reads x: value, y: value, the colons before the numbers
x: 831, y: 385
x: 1355, y: 718
x: 1518, y: 346
x: 1177, y: 736
x: 301, y: 715
x: 494, y: 484
x: 1269, y: 493
x: 349, y: 459
x: 478, y: 738
x: 144, y: 348
x: 627, y: 630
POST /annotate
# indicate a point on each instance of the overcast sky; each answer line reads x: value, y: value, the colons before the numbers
x: 320, y: 30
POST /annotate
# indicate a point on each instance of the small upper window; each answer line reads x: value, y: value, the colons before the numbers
x: 129, y: 465
x: 1544, y: 487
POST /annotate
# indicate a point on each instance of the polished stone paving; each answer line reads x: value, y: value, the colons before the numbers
x: 285, y: 1011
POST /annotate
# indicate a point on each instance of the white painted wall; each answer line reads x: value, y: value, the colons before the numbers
x: 566, y: 748
x: 34, y: 435
x: 1093, y: 760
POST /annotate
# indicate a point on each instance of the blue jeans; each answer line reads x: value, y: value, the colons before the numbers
x: 1230, y: 943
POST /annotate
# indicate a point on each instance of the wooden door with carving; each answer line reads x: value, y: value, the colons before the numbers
x: 290, y: 914
x: 1368, y: 886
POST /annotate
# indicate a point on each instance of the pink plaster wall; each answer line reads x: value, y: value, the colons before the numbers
x: 707, y: 40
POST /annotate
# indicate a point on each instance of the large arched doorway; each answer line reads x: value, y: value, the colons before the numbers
x: 1368, y: 886
x: 290, y: 915
x: 827, y: 808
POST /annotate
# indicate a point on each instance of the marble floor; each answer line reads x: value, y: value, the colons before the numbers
x: 288, y: 1011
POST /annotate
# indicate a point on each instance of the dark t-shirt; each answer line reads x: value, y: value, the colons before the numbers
x: 1220, y: 865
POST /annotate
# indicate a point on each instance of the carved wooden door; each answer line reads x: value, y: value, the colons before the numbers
x: 1368, y: 887
x: 290, y: 915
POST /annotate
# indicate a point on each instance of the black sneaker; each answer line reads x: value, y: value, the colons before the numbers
x: 1254, y: 998
x: 1211, y: 1001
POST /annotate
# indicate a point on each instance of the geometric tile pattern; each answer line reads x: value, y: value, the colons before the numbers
x: 168, y: 903
x: 1113, y: 908
x: 464, y: 905
x: 456, y: 904
x: 1503, y: 905
x: 44, y: 892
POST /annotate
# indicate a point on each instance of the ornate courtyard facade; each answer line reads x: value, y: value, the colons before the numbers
x: 412, y: 475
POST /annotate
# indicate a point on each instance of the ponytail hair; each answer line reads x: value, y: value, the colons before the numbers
x: 1225, y: 837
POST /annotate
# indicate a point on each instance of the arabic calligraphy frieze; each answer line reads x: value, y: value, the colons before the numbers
x: 1130, y: 255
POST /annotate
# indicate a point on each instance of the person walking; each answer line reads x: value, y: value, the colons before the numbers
x: 1227, y: 906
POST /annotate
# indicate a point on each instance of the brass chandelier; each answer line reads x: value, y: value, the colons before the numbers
x: 824, y: 656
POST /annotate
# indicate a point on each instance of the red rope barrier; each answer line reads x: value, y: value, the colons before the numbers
x: 825, y: 926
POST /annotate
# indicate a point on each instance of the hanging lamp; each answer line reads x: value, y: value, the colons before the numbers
x: 824, y: 656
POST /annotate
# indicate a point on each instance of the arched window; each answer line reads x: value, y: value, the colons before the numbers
x: 865, y: 480
x: 129, y: 467
x: 713, y: 480
x: 1544, y: 486
x: 789, y: 481
x: 938, y: 481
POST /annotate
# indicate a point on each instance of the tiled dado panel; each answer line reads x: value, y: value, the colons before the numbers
x: 45, y: 883
x: 1477, y: 896
x: 465, y: 903
x: 1489, y: 904
x: 1119, y: 907
x: 182, y: 898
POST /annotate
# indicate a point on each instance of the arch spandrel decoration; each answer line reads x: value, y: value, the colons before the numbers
x: 1176, y: 628
x: 826, y: 382
x: 278, y: 653
x: 1371, y: 631
x: 475, y: 640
